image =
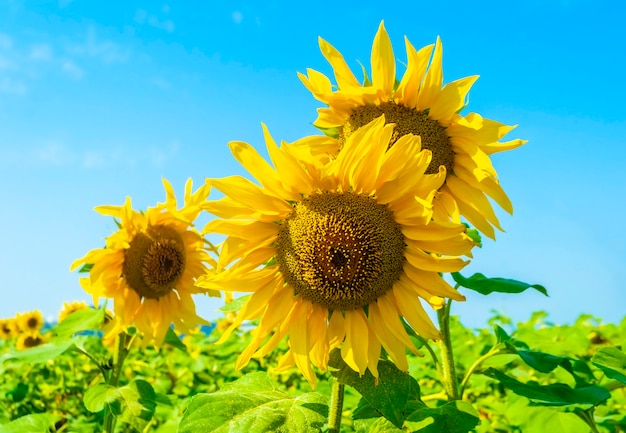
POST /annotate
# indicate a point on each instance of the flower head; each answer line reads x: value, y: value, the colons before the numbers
x: 335, y: 254
x: 149, y: 266
x: 8, y: 328
x: 421, y: 105
x: 70, y: 307
x: 31, y: 321
x: 26, y: 340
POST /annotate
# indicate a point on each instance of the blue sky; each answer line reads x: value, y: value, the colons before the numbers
x: 100, y: 100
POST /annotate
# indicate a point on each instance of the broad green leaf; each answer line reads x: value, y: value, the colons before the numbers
x: 40, y: 353
x: 98, y: 396
x: 254, y: 404
x: 390, y: 397
x: 79, y: 321
x: 33, y: 423
x: 556, y: 394
x: 133, y: 404
x: 612, y: 362
x: 377, y: 425
x: 452, y: 417
x: 173, y: 339
x: 483, y: 285
x: 138, y: 401
x: 554, y: 421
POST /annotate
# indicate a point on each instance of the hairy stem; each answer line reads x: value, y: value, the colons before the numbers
x: 449, y: 378
x: 118, y: 363
x: 336, y: 407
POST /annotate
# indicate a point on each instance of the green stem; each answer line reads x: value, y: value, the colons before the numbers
x: 587, y: 416
x: 336, y: 407
x: 450, y: 381
x: 95, y: 361
x: 118, y: 363
x: 495, y: 350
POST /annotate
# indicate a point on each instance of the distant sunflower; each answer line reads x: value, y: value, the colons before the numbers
x: 31, y: 321
x: 150, y: 264
x: 419, y: 104
x: 70, y: 307
x: 8, y: 328
x: 335, y: 254
x: 26, y: 340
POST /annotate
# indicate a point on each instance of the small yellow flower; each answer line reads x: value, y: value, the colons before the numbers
x: 26, y: 340
x: 8, y: 328
x: 70, y: 307
x: 31, y: 321
x: 149, y: 266
x: 335, y: 254
x: 419, y: 104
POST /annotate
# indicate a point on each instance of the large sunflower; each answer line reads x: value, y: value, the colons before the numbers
x: 149, y: 266
x: 420, y: 104
x: 335, y: 254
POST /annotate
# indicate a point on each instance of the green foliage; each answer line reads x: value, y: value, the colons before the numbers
x: 254, y: 404
x: 533, y: 376
x: 483, y: 285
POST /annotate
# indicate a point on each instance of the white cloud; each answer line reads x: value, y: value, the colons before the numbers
x: 161, y: 83
x: 237, y: 17
x: 143, y: 17
x: 41, y: 52
x: 6, y: 42
x: 106, y: 51
x: 12, y: 86
x: 53, y: 153
x: 72, y: 70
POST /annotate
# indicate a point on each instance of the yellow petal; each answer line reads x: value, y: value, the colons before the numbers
x: 417, y: 62
x: 383, y: 63
x: 451, y: 99
x: 354, y: 350
x: 343, y: 74
x: 412, y: 310
x: 431, y: 87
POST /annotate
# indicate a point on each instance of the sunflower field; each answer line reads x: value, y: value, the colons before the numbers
x: 332, y: 259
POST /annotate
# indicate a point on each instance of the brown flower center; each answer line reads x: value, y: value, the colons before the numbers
x: 155, y: 262
x: 407, y: 120
x: 340, y: 250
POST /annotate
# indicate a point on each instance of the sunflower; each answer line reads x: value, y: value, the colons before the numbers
x: 31, y: 321
x: 26, y: 340
x: 419, y: 104
x: 336, y: 254
x: 70, y: 307
x: 8, y: 328
x: 149, y: 266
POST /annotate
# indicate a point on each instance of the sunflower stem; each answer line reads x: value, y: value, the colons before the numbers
x: 450, y: 381
x: 336, y: 407
x: 118, y: 361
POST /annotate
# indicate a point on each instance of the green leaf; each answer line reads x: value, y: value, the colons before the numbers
x: 40, y: 353
x: 452, y: 417
x: 553, y: 421
x: 395, y: 392
x: 133, y: 404
x: 138, y: 403
x: 483, y: 285
x: 378, y: 425
x: 33, y: 423
x: 86, y: 267
x: 97, y: 397
x: 254, y: 404
x: 79, y: 321
x: 556, y: 394
x: 612, y: 362
x: 173, y: 339
x: 235, y: 305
